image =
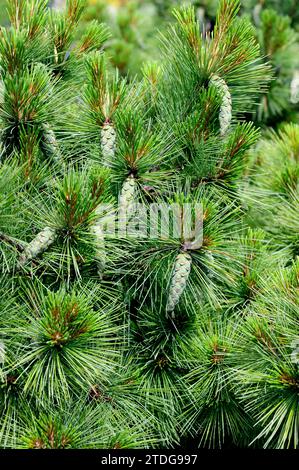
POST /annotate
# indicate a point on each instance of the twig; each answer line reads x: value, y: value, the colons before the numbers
x: 11, y: 241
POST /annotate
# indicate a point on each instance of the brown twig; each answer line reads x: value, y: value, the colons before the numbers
x: 11, y: 241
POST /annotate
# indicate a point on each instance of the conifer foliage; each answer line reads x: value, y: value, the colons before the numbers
x: 142, y: 337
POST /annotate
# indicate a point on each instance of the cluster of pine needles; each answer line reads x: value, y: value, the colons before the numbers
x: 139, y: 338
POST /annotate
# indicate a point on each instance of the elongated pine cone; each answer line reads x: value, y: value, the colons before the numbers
x: 50, y: 138
x: 225, y: 115
x: 108, y: 141
x: 180, y: 275
x: 38, y: 245
x: 127, y: 197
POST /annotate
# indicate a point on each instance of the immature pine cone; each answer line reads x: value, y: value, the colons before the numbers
x: 225, y: 115
x: 38, y: 245
x: 108, y: 140
x: 181, y: 271
x: 127, y: 196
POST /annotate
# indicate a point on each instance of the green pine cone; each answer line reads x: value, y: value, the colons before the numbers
x: 108, y: 141
x: 127, y: 196
x: 179, y: 279
x: 38, y: 245
x: 225, y: 115
x: 50, y: 138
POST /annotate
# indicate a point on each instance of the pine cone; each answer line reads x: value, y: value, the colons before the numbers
x: 225, y: 115
x: 126, y: 199
x: 108, y: 141
x: 179, y: 279
x: 50, y: 138
x: 38, y: 245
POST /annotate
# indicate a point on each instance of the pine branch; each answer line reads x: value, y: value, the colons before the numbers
x: 20, y: 247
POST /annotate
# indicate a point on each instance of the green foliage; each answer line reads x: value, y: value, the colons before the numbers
x: 134, y: 337
x: 275, y: 176
x: 80, y: 425
x: 37, y: 61
x: 287, y: 7
x: 215, y: 412
x: 276, y: 26
x: 269, y: 380
x: 279, y: 43
x: 57, y: 340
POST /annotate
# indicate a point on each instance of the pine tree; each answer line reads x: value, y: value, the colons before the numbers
x: 289, y: 8
x: 276, y: 26
x: 275, y: 176
x: 124, y: 331
x: 280, y: 44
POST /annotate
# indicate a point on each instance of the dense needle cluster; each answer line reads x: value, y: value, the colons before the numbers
x: 117, y: 331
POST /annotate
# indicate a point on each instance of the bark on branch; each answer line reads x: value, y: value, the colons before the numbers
x: 12, y: 242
